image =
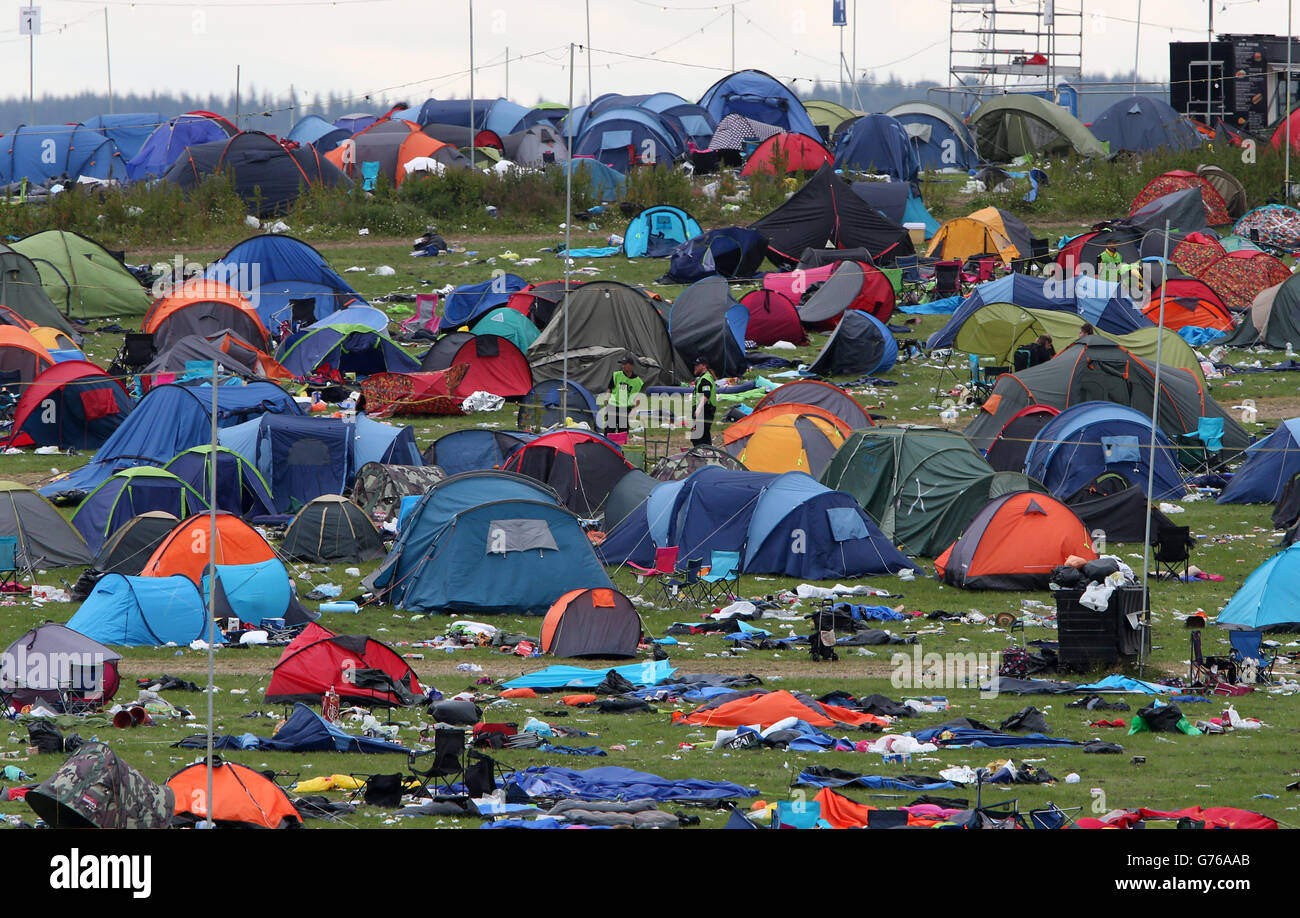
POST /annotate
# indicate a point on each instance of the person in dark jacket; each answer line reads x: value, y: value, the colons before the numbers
x: 706, y: 403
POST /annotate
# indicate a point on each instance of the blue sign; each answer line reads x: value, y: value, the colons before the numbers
x: 840, y: 12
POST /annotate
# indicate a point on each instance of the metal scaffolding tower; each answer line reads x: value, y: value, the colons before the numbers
x: 997, y: 46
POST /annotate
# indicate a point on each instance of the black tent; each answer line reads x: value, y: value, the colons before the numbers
x: 859, y: 345
x: 1010, y: 447
x: 826, y: 210
x: 706, y: 322
x: 1120, y: 516
x: 592, y: 623
x: 331, y: 529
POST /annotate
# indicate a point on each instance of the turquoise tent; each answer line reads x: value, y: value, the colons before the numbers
x: 507, y: 323
x: 142, y: 612
x: 1269, y: 597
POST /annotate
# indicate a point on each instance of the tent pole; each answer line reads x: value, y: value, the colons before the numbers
x: 1137, y: 43
x: 590, y: 96
x: 108, y: 62
x: 473, y: 134
x: 1151, y: 468
x: 568, y: 236
x: 1286, y: 175
x: 212, y: 585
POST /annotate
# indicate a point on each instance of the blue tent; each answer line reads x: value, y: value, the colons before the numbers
x: 251, y: 592
x: 469, y: 302
x: 706, y: 322
x: 1270, y: 596
x: 129, y: 493
x: 1269, y: 465
x: 732, y: 251
x: 302, y: 731
x: 548, y: 404
x: 612, y: 782
x: 43, y: 152
x: 168, y: 141
x: 877, y: 143
x: 562, y: 676
x: 128, y: 130
x: 487, y: 542
x: 691, y: 123
x: 169, y: 420
x: 271, y: 270
x: 501, y: 116
x: 603, y: 182
x: 355, y: 123
x: 1144, y: 123
x: 472, y: 450
x: 142, y: 612
x: 656, y: 231
x: 787, y: 524
x: 1103, y: 304
x: 624, y: 137
x: 241, y: 490
x: 939, y: 137
x: 305, y: 457
x: 1092, y: 438
x: 756, y: 95
x: 353, y: 349
x: 310, y: 129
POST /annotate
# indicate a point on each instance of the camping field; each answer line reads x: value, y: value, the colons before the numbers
x: 1249, y: 769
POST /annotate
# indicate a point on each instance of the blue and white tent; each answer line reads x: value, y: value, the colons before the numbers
x: 1269, y: 597
x: 126, y: 611
x: 271, y: 270
x: 761, y: 97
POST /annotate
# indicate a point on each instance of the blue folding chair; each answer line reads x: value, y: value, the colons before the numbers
x: 1200, y: 451
x: 369, y: 175
x: 1248, y: 646
x: 723, y: 577
x: 801, y: 814
x: 8, y: 563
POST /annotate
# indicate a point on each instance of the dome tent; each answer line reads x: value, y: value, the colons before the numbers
x: 71, y: 405
x: 236, y: 543
x: 361, y: 669
x: 241, y: 489
x: 45, y: 539
x: 241, y: 798
x: 581, y: 467
x: 331, y: 529
x: 591, y: 623
x: 142, y: 612
x: 129, y: 493
x: 76, y: 668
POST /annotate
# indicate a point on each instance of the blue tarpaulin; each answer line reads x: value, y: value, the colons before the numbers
x: 614, y: 783
x: 560, y: 676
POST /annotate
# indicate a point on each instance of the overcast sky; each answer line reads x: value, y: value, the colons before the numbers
x: 413, y: 50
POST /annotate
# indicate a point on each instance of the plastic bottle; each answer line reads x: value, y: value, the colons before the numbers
x: 329, y: 705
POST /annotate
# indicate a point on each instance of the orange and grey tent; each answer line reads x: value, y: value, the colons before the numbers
x: 779, y: 439
x: 203, y: 307
x: 186, y: 550
x: 823, y: 395
x: 392, y: 144
x: 1188, y: 301
x: 11, y: 317
x: 22, y: 358
x: 241, y: 798
x: 596, y: 622
x: 1216, y: 209
x: 1010, y: 447
x: 1014, y: 543
x: 766, y: 708
x: 784, y: 153
x: 988, y: 231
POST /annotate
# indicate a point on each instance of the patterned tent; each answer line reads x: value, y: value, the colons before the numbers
x: 1216, y: 209
x: 1274, y: 225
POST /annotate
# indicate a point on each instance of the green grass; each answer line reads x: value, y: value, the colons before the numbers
x: 1223, y: 770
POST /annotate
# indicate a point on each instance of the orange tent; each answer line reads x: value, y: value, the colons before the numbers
x: 385, y: 144
x: 242, y: 798
x: 186, y: 550
x: 21, y: 354
x: 203, y: 307
x: 787, y: 437
x: 1014, y: 543
x: 769, y: 707
x: 747, y: 425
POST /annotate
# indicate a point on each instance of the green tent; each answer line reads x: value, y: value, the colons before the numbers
x: 998, y: 329
x: 1097, y: 369
x: 829, y: 115
x: 1273, y: 319
x: 82, y: 278
x: 921, y: 485
x: 507, y: 323
x: 21, y: 290
x: 1016, y: 124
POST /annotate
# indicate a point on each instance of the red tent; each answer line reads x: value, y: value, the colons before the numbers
x: 580, y: 467
x: 361, y: 669
x: 496, y: 365
x: 387, y: 394
x: 766, y: 708
x: 1068, y: 257
x: 98, y: 401
x: 772, y: 318
x: 784, y: 153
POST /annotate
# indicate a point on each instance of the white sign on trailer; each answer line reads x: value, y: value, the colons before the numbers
x: 29, y: 20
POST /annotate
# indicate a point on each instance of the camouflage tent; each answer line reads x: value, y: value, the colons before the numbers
x: 94, y: 789
x: 379, y: 487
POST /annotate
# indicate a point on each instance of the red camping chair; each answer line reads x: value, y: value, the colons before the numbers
x: 663, y: 574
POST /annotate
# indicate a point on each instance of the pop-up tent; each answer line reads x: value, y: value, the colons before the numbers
x: 1014, y: 543
x: 487, y: 542
x: 53, y: 662
x: 1270, y: 597
x: 657, y: 231
x: 852, y: 285
x: 94, y: 789
x: 71, y: 405
x: 773, y: 317
x: 705, y: 322
x: 129, y: 493
x: 860, y: 345
x: 359, y: 668
x: 1269, y: 465
x: 142, y: 612
x: 921, y: 485
x: 241, y: 798
x: 580, y: 467
x: 591, y: 623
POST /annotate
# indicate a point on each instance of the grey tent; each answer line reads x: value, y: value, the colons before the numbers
x: 1144, y: 123
x: 331, y: 529
x: 860, y: 344
x: 379, y: 488
x: 1184, y: 210
x: 822, y: 395
x: 890, y: 198
x: 605, y: 321
x: 192, y: 348
x: 207, y: 317
x: 21, y: 291
x: 55, y: 663
x: 439, y: 356
x: 705, y: 322
x: 45, y: 538
x: 1097, y: 369
x: 1228, y: 186
x: 595, y: 622
x: 540, y: 145
x: 94, y: 789
x: 1017, y: 124
x: 630, y: 492
x: 1273, y: 319
x: 127, y: 549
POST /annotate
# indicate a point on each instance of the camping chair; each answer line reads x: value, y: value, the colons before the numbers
x: 722, y: 580
x: 1172, y: 549
x: 1248, y: 652
x: 1207, y: 672
x: 1053, y: 817
x: 448, y: 761
x: 426, y: 314
x: 984, y: 270
x: 1200, y: 451
x: 11, y: 384
x: 665, y: 566
x: 947, y: 280
x: 138, y: 351
x: 302, y: 312
x: 8, y: 564
x: 369, y: 175
x: 791, y: 814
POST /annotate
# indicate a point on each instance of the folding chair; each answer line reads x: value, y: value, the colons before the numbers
x: 302, y: 312
x: 448, y: 761
x: 665, y: 567
x: 803, y: 814
x: 984, y: 270
x: 138, y: 351
x: 426, y: 314
x: 722, y: 579
x: 1172, y: 549
x: 481, y: 774
x: 8, y: 564
x: 1053, y: 817
x: 1201, y: 451
x: 369, y: 175
x: 947, y: 280
x: 1248, y: 653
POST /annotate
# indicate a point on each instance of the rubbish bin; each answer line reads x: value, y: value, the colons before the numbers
x: 1087, y: 638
